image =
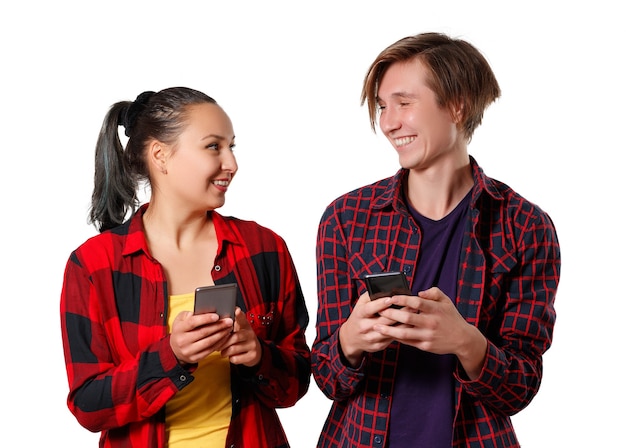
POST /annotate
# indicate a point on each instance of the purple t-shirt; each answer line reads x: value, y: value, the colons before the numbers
x: 422, y: 409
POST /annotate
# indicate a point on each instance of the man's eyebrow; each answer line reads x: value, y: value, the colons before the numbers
x: 403, y: 95
x: 400, y: 95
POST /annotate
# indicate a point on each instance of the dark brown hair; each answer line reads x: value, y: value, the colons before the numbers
x: 152, y: 116
x: 460, y: 75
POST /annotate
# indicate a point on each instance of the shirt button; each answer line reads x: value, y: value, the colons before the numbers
x: 217, y: 267
x: 183, y: 378
x: 260, y: 377
x: 378, y: 440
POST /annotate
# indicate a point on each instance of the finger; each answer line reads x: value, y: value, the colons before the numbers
x: 226, y: 342
x: 241, y: 322
x: 214, y: 341
x: 240, y: 358
x: 231, y: 349
x: 433, y: 293
x: 228, y: 322
x: 432, y: 300
x: 385, y: 320
x: 404, y: 315
x: 222, y: 326
x: 363, y: 298
x: 241, y: 351
x: 182, y: 320
x: 375, y: 306
x: 187, y: 321
x: 412, y: 304
x: 402, y: 300
x: 426, y: 301
x: 197, y: 344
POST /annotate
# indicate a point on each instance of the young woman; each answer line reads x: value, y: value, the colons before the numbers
x: 142, y: 368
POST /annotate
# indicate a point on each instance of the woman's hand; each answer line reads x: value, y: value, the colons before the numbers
x: 242, y: 345
x: 194, y: 337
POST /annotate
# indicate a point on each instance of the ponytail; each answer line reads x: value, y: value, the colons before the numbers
x: 115, y: 186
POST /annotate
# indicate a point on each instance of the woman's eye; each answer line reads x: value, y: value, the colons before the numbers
x: 213, y: 146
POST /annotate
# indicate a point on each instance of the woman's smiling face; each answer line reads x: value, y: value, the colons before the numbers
x: 201, y: 165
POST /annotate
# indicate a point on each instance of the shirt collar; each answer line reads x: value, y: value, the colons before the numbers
x: 136, y: 237
x: 483, y: 183
x: 393, y: 195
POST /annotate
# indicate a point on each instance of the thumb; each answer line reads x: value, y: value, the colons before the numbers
x: 364, y: 298
x: 433, y: 293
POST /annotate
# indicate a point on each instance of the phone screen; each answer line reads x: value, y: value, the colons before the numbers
x: 386, y: 284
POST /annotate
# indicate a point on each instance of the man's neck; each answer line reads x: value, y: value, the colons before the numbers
x: 436, y: 191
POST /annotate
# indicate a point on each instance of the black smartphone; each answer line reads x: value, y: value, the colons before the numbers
x: 386, y: 284
x: 220, y: 299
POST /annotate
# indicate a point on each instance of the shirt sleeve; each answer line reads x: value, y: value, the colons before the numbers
x: 108, y: 387
x: 335, y: 378
x: 512, y: 370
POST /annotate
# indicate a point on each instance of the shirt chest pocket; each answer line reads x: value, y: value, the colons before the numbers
x: 261, y: 318
x: 383, y: 248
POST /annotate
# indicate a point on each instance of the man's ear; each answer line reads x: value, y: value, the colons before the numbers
x: 157, y: 156
x: 458, y: 112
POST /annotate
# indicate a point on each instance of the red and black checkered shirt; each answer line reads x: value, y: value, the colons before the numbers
x: 508, y: 276
x: 120, y: 367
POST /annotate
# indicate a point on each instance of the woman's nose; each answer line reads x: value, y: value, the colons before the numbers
x: 229, y: 162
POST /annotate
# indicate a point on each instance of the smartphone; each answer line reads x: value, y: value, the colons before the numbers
x: 386, y: 284
x: 220, y: 299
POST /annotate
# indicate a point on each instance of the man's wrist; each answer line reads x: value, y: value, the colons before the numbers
x: 352, y: 357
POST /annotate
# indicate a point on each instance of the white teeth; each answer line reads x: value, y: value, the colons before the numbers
x: 221, y: 183
x: 403, y: 141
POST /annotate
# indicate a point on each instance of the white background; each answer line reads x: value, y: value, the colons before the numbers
x: 289, y: 74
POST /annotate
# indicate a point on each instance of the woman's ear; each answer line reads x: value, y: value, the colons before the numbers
x: 157, y: 156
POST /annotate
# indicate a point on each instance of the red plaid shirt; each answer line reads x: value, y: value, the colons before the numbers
x: 120, y: 367
x: 508, y: 277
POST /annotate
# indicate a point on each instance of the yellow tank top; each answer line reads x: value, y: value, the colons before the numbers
x: 199, y: 415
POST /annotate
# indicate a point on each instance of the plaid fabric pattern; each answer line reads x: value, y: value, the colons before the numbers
x: 120, y: 367
x: 508, y: 277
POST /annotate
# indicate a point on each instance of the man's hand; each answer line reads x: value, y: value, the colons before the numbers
x: 431, y: 322
x: 358, y: 333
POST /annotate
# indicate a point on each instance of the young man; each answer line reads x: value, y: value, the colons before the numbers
x: 464, y: 351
